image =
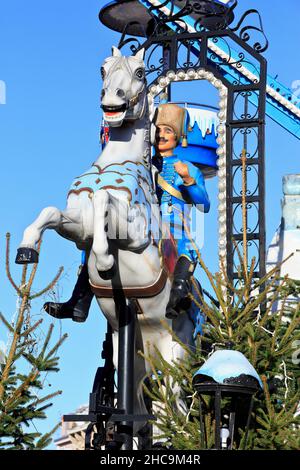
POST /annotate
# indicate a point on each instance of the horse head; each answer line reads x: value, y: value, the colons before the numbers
x: 123, y: 96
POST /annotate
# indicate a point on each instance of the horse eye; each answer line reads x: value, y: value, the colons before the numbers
x: 102, y: 73
x: 139, y: 73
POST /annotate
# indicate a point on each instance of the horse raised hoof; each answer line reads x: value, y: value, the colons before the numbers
x: 27, y: 256
x: 109, y: 274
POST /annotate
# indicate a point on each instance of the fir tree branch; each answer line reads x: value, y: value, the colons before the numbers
x: 7, y: 264
x: 31, y: 329
x: 6, y: 323
x: 49, y: 286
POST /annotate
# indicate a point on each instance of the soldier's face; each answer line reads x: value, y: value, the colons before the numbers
x: 165, y: 140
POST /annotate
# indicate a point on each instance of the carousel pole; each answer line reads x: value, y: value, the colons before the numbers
x: 126, y: 314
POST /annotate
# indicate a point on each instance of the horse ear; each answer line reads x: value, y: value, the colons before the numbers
x: 116, y: 52
x: 140, y: 54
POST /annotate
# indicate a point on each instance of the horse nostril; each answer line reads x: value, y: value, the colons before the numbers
x: 120, y: 93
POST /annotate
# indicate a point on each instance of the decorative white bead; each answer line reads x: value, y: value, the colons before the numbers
x: 222, y: 242
x: 163, y: 82
x: 221, y: 129
x: 154, y: 90
x: 220, y: 151
x: 191, y: 73
x: 223, y: 92
x: 171, y: 75
x: 181, y: 75
x: 201, y: 74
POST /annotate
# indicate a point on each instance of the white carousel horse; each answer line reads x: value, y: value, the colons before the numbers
x: 108, y: 215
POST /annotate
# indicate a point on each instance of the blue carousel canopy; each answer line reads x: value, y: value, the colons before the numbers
x: 201, y: 132
x: 226, y: 364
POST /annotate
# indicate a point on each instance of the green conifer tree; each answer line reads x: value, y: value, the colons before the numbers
x: 256, y: 318
x: 23, y: 367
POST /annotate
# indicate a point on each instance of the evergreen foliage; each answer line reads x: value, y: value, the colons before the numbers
x: 255, y: 317
x: 23, y: 368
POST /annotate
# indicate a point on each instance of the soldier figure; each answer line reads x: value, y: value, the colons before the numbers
x: 180, y: 184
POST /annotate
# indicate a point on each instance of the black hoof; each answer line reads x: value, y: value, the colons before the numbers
x: 27, y: 256
x: 107, y: 275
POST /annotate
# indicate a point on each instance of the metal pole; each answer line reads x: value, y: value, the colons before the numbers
x: 126, y: 370
x: 218, y: 403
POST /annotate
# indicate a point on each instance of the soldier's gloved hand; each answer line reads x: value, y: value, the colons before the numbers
x: 183, y: 171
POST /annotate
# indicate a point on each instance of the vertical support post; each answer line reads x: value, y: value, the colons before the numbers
x: 232, y: 423
x: 248, y: 421
x: 166, y: 66
x: 218, y: 419
x: 126, y: 314
x: 202, y: 427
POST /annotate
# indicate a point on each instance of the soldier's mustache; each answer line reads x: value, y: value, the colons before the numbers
x: 162, y: 139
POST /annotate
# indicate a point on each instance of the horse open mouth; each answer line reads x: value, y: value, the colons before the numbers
x: 114, y: 113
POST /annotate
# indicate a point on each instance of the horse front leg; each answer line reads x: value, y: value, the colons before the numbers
x: 50, y: 217
x: 104, y: 261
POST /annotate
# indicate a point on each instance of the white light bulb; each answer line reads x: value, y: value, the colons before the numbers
x: 224, y: 437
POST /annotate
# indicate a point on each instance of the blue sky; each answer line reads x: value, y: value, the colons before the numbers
x: 50, y: 58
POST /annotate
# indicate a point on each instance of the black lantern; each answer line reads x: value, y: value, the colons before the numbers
x: 229, y: 378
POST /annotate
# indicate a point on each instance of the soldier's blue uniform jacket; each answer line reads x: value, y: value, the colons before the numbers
x: 174, y: 208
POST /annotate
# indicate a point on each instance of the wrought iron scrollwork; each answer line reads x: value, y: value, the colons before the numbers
x: 207, y: 14
x: 152, y: 64
x: 135, y: 43
x: 253, y: 251
x: 245, y: 32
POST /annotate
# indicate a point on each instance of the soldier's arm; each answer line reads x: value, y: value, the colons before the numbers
x: 196, y: 188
